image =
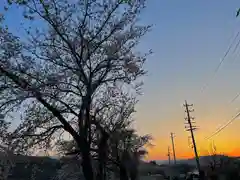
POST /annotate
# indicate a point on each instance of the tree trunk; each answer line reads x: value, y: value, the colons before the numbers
x: 123, y: 173
x: 85, y: 141
x: 102, y: 151
x: 87, y: 166
x: 134, y: 174
x: 133, y: 166
x: 101, y: 171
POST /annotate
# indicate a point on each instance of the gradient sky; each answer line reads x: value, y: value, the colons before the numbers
x: 188, y: 39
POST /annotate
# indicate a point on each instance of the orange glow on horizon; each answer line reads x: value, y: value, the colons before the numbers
x: 224, y: 146
x: 155, y: 155
x: 227, y: 141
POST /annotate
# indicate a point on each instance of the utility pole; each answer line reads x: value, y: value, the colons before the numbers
x: 173, y: 148
x: 169, y: 156
x: 191, y: 127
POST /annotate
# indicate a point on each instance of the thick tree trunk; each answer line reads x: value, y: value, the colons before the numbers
x: 86, y: 163
x: 133, y: 167
x: 87, y: 166
x: 134, y: 174
x: 101, y: 171
x: 85, y: 138
x: 102, y: 156
x: 123, y: 173
x: 102, y: 151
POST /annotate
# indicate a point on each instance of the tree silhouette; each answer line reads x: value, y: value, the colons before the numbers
x: 82, y: 49
x: 116, y: 146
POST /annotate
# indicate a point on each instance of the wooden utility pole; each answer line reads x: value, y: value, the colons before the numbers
x: 191, y: 127
x: 169, y: 156
x: 173, y: 148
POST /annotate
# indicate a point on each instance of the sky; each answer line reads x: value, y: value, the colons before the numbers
x: 188, y: 40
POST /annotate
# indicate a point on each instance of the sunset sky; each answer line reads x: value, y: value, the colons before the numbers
x: 188, y: 39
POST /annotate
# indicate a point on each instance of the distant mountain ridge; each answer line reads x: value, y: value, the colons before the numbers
x: 204, y: 160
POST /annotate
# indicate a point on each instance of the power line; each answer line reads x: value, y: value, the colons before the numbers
x: 236, y: 96
x: 220, y: 128
x: 215, y: 72
x: 223, y: 59
x: 224, y: 126
x: 237, y: 52
x: 236, y: 46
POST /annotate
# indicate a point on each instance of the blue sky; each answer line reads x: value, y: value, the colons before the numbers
x: 188, y: 39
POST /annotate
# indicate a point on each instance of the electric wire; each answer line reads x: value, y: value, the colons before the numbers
x: 223, y: 59
x: 221, y: 127
x: 224, y: 126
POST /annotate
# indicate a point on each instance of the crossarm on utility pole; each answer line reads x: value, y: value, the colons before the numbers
x: 173, y: 147
x: 191, y: 129
x: 169, y: 156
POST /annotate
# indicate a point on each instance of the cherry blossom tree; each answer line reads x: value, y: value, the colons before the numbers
x: 6, y: 150
x: 63, y: 67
